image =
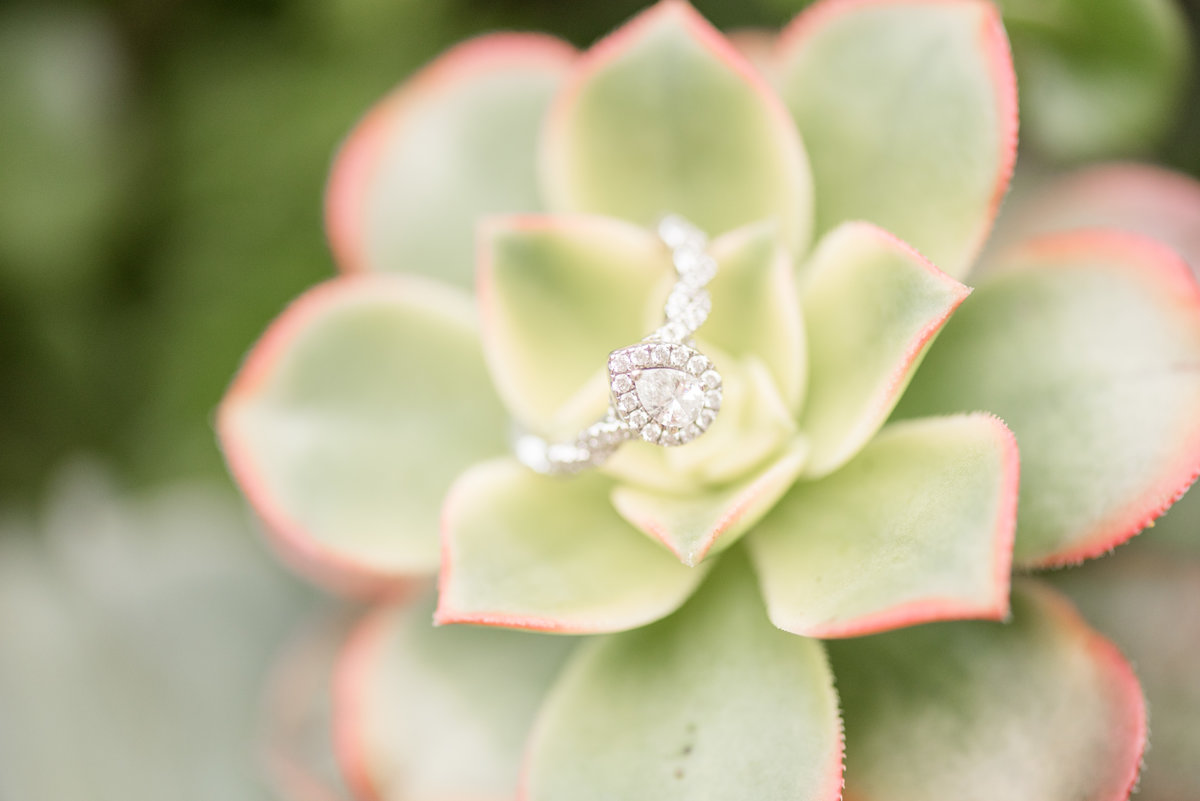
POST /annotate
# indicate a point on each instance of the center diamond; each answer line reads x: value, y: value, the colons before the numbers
x: 672, y: 397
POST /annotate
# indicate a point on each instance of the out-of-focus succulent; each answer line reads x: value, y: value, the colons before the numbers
x: 1099, y: 78
x: 846, y: 197
x: 136, y: 630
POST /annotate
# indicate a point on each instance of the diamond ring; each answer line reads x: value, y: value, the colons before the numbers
x: 663, y: 390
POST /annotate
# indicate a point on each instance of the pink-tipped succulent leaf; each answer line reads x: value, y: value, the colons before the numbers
x: 454, y: 142
x: 1087, y: 344
x: 908, y: 109
x: 713, y: 141
x: 351, y: 417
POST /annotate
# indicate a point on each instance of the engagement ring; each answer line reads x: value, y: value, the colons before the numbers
x: 662, y: 389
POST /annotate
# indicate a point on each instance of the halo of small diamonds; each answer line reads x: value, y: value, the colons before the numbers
x: 668, y: 392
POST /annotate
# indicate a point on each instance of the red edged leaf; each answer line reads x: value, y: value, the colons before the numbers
x: 713, y: 141
x: 872, y: 306
x: 350, y: 418
x: 711, y: 703
x: 918, y: 527
x: 437, y: 713
x: 909, y: 112
x: 1140, y: 198
x: 692, y: 526
x: 394, y: 202
x: 549, y: 553
x: 1148, y: 601
x: 1088, y: 345
x: 1040, y: 708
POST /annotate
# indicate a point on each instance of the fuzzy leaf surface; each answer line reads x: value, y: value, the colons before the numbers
x: 755, y: 313
x: 693, y: 525
x: 871, y: 305
x: 665, y: 116
x: 1041, y: 708
x: 438, y: 713
x: 712, y: 704
x: 351, y: 417
x: 908, y: 111
x: 449, y: 145
x: 1148, y: 601
x: 1088, y: 345
x: 548, y: 553
x: 917, y: 527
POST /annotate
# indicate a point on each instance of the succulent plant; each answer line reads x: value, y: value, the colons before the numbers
x: 848, y: 185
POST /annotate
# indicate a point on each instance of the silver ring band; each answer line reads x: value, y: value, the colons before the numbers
x: 663, y: 390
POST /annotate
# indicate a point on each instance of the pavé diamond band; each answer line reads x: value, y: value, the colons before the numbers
x: 663, y: 390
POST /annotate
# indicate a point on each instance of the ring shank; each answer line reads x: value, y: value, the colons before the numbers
x: 590, y: 449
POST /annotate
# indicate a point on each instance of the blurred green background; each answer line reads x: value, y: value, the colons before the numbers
x: 163, y: 163
x: 161, y: 172
x: 160, y: 199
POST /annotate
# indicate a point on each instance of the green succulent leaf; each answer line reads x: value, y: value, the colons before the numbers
x: 1098, y: 77
x: 556, y: 295
x: 694, y: 525
x: 1041, y: 709
x: 438, y: 713
x: 351, y: 417
x: 908, y: 110
x: 711, y: 141
x: 1149, y: 603
x: 712, y: 703
x: 872, y: 305
x: 918, y: 527
x: 455, y: 142
x: 1088, y: 345
x: 549, y: 553
x: 755, y: 313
